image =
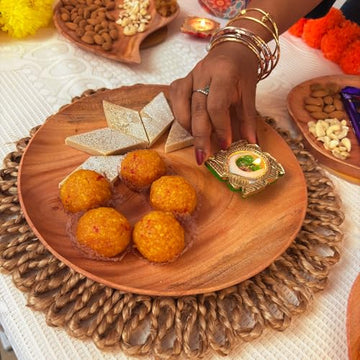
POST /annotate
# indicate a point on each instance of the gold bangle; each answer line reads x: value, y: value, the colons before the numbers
x: 266, y: 17
x: 260, y: 62
x: 258, y: 22
x: 266, y: 58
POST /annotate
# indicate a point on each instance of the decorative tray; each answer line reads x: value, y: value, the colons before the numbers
x: 124, y: 48
x: 348, y: 169
x: 233, y: 238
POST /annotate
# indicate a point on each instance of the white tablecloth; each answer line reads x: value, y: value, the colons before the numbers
x: 42, y: 73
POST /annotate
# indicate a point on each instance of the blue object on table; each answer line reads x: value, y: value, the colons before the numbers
x: 351, y: 99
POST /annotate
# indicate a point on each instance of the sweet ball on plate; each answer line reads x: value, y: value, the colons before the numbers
x: 140, y: 168
x: 104, y: 230
x: 173, y: 193
x: 84, y: 190
x: 159, y: 237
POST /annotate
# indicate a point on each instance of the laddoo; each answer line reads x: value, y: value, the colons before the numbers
x: 159, y: 237
x: 140, y: 168
x: 84, y: 190
x: 104, y: 230
x: 173, y: 193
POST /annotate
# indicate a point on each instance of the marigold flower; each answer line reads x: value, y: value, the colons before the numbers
x: 298, y: 28
x: 350, y: 59
x: 314, y: 29
x: 22, y: 17
x: 337, y: 39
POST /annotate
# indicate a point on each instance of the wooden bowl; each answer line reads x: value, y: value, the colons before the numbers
x: 233, y: 238
x: 353, y: 321
x: 348, y: 169
x: 125, y: 49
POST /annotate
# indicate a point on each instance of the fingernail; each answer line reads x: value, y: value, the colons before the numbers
x: 200, y: 156
x: 223, y: 144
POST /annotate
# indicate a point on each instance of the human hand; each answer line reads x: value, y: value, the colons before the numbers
x: 230, y: 71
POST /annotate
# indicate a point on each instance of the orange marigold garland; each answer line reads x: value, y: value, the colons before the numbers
x: 337, y: 39
x: 350, y: 59
x: 314, y: 29
x: 298, y: 28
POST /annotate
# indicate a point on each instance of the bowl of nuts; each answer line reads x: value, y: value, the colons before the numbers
x: 115, y: 29
x: 318, y: 111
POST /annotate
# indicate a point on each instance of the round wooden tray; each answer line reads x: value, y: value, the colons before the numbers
x: 353, y: 321
x: 234, y: 238
x: 126, y: 48
x: 348, y: 169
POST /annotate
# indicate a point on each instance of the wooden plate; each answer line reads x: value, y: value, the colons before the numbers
x: 126, y: 48
x: 353, y: 321
x: 348, y: 169
x: 234, y: 238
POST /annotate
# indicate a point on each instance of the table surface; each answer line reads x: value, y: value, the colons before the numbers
x: 40, y: 74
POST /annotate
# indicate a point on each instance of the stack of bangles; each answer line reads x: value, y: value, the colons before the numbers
x: 267, y: 59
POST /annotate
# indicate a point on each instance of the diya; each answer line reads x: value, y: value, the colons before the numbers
x: 245, y: 168
x: 198, y: 26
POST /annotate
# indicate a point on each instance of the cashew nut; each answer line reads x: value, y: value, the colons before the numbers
x: 347, y: 143
x: 134, y: 16
x: 332, y: 133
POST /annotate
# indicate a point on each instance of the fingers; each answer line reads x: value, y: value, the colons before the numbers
x: 200, y: 126
x: 180, y: 99
x: 221, y: 95
x: 246, y: 114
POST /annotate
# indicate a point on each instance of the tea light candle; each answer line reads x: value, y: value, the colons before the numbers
x: 200, y: 27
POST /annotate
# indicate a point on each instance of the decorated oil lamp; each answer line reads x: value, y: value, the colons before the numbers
x: 198, y: 26
x: 245, y: 168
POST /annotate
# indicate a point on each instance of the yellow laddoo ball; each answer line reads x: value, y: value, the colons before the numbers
x: 104, y: 230
x: 173, y: 193
x: 84, y: 190
x: 140, y: 168
x: 159, y: 237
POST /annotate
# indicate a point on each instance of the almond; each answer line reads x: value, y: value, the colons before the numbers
x: 313, y: 108
x: 328, y: 100
x: 106, y: 46
x: 338, y: 104
x: 329, y: 108
x: 314, y: 101
x: 98, y: 39
x: 88, y: 39
x: 79, y: 32
x: 71, y: 25
x: 320, y: 93
x: 319, y: 115
x: 65, y: 17
x: 114, y: 34
x: 338, y: 114
x: 106, y: 37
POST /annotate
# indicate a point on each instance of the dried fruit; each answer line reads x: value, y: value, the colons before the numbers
x: 134, y: 16
x: 332, y: 133
x: 84, y: 17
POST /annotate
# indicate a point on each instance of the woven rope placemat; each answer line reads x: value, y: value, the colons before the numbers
x: 168, y: 327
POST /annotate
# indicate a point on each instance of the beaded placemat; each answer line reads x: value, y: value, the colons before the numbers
x: 168, y: 327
